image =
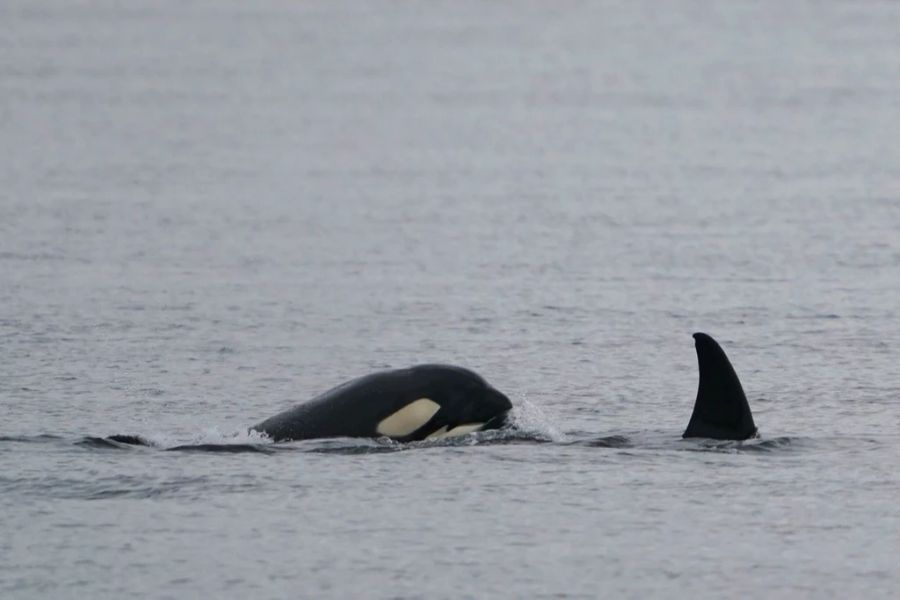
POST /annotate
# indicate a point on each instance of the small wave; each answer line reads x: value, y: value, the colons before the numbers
x: 139, y: 492
x: 226, y: 448
x: 214, y: 441
x: 116, y: 442
x: 211, y: 440
x: 738, y: 446
x: 347, y: 446
x: 128, y: 442
x: 357, y: 446
x: 31, y: 439
x: 505, y: 435
x: 530, y: 428
x: 211, y: 437
x: 610, y: 441
x: 767, y: 445
x: 99, y: 488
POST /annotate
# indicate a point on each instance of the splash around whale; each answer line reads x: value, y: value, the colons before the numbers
x: 434, y: 401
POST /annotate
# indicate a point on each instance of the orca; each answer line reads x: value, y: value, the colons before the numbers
x: 406, y: 405
x: 435, y: 401
x: 412, y: 404
x: 721, y: 411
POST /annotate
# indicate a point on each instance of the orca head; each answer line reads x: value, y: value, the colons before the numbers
x: 467, y: 402
x: 494, y: 408
x: 721, y: 410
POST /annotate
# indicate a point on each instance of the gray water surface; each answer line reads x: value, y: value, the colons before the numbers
x: 210, y: 211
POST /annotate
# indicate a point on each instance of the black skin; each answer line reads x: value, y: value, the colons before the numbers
x: 355, y: 408
x: 721, y: 411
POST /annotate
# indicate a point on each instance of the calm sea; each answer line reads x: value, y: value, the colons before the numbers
x: 211, y: 210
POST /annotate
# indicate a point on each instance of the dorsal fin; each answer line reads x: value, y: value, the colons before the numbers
x: 721, y: 411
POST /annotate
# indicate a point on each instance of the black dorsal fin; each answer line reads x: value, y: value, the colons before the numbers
x: 721, y: 411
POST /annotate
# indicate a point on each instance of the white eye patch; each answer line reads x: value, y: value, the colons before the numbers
x: 409, y: 418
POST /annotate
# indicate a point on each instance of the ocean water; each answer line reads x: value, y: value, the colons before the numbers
x: 210, y: 211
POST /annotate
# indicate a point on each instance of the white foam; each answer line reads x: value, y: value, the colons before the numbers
x: 211, y: 435
x: 530, y: 417
x: 214, y: 435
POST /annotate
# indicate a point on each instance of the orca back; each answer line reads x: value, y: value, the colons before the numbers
x: 721, y: 410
